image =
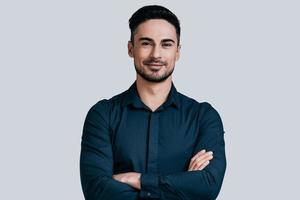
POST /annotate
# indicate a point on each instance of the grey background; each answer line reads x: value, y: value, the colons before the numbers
x: 58, y: 58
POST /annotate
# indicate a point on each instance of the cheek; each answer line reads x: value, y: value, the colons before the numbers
x: 142, y: 51
x: 171, y: 55
x: 172, y: 58
x: 141, y: 55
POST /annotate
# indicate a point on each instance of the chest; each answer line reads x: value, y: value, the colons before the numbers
x: 167, y: 139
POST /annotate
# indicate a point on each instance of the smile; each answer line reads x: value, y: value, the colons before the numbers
x: 154, y: 64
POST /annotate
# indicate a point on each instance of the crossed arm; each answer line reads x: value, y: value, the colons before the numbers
x: 202, y: 180
x: 198, y: 162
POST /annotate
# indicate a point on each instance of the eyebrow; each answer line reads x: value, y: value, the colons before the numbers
x: 168, y: 40
x: 151, y: 40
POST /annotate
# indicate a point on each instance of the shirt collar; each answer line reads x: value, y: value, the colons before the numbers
x: 132, y: 98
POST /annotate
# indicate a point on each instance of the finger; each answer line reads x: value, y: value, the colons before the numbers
x: 201, y: 160
x: 120, y: 177
x: 116, y: 177
x: 196, y: 156
x: 202, y: 166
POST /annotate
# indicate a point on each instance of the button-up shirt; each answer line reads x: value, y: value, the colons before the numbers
x: 122, y: 134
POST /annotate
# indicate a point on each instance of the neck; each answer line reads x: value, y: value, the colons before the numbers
x: 153, y: 94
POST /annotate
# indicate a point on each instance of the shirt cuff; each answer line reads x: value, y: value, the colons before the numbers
x: 150, y: 186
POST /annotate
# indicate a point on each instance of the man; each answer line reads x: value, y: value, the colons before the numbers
x: 152, y: 142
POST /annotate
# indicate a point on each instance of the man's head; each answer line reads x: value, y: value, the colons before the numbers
x: 154, y: 42
x: 153, y: 12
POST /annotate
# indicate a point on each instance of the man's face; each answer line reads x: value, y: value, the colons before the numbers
x: 155, y: 50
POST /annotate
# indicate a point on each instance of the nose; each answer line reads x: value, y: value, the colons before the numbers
x: 156, y: 52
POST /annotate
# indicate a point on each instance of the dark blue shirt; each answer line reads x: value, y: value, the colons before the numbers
x: 122, y: 134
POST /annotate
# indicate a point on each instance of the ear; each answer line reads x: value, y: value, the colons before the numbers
x: 130, y: 48
x: 178, y: 52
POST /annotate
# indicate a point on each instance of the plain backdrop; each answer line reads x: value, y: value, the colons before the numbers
x: 58, y: 58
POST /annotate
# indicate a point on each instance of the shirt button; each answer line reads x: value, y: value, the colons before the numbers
x: 148, y: 194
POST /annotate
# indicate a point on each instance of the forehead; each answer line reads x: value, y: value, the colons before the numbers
x: 156, y: 29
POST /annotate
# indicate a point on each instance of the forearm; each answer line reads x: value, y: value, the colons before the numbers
x: 200, y: 184
x: 184, y: 185
x: 204, y: 184
x: 107, y: 188
x: 191, y: 184
x: 96, y: 179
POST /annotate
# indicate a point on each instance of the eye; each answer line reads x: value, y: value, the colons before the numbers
x: 145, y: 43
x: 167, y: 44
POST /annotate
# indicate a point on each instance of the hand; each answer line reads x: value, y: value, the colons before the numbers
x: 200, y: 160
x: 130, y: 178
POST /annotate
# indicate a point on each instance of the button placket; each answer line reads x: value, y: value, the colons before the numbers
x: 153, y: 143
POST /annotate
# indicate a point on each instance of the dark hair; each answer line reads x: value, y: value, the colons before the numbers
x: 153, y: 12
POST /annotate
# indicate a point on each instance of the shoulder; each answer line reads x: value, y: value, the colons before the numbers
x: 189, y: 102
x: 205, y: 111
x: 105, y: 106
x: 108, y: 103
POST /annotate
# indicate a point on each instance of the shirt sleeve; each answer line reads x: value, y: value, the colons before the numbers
x: 194, y: 185
x: 96, y: 159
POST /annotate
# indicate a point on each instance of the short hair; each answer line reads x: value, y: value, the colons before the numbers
x: 153, y: 12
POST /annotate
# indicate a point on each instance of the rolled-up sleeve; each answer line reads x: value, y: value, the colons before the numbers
x: 194, y: 185
x: 96, y: 159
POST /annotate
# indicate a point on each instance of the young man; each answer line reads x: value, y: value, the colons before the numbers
x: 152, y: 142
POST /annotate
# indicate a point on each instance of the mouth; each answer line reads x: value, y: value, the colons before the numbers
x: 153, y: 66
